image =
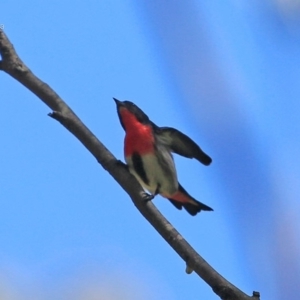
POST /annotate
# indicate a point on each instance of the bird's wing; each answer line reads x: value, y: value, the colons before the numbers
x: 181, y: 144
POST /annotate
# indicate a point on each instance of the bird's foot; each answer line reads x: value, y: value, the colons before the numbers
x: 147, y: 197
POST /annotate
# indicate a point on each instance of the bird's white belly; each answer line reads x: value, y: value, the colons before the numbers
x: 162, y: 176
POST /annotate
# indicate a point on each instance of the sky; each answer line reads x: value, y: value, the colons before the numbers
x: 223, y: 72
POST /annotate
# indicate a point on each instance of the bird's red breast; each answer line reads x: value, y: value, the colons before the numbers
x: 139, y: 137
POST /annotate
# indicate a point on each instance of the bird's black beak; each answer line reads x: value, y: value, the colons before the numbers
x: 119, y: 103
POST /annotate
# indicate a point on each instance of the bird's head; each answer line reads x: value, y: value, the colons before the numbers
x: 130, y: 114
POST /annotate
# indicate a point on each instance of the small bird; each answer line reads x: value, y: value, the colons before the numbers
x: 147, y: 150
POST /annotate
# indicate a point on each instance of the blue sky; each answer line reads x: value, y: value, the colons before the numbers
x: 224, y: 73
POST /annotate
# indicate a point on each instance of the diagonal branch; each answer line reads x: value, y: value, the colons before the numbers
x: 13, y: 65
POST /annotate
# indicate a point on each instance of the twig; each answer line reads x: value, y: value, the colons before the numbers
x: 13, y: 65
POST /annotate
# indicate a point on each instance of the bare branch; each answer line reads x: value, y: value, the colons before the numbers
x: 13, y: 65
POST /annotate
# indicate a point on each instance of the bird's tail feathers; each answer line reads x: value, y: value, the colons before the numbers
x: 182, y: 199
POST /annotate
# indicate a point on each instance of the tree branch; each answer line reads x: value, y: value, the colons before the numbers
x: 13, y: 65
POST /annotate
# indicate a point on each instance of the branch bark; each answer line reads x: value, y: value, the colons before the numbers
x: 13, y: 65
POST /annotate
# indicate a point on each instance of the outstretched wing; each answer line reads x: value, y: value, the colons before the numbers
x: 181, y: 144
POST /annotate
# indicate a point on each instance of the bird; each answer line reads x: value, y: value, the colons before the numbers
x: 148, y: 153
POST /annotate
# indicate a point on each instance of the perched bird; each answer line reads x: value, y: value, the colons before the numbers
x: 147, y: 150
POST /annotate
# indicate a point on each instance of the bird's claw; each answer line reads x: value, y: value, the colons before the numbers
x: 147, y: 197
